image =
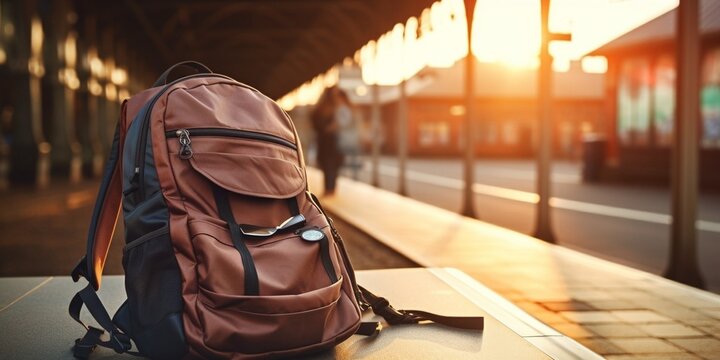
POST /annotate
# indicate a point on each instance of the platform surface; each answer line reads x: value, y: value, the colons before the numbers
x: 35, y: 323
x: 617, y: 311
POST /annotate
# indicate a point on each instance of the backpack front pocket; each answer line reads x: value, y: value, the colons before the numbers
x: 285, y: 263
x: 256, y: 324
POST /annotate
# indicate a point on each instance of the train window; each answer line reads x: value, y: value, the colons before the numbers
x: 433, y: 134
x: 664, y: 100
x: 634, y: 102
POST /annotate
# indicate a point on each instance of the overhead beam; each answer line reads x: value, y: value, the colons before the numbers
x: 250, y: 4
x: 150, y: 30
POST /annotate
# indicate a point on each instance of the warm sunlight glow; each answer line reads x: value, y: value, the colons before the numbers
x: 123, y: 94
x: 446, y: 42
x: 437, y: 39
x: 118, y: 76
x: 71, y: 49
x: 389, y: 57
x: 361, y: 90
x: 367, y: 59
x: 36, y: 36
x: 457, y: 110
x: 507, y: 31
x: 561, y: 65
x: 109, y: 67
x: 35, y: 63
x: 504, y: 31
x: 595, y: 64
x: 309, y: 92
x: 110, y: 92
x: 94, y: 87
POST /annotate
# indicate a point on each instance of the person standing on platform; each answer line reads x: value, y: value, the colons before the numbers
x: 349, y: 132
x: 325, y: 124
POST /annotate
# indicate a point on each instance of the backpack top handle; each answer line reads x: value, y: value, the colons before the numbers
x: 198, y: 67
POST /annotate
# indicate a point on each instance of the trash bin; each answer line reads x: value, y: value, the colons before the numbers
x: 593, y: 156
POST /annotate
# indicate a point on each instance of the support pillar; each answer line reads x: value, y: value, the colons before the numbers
x: 29, y: 152
x: 66, y: 155
x: 683, y: 266
x: 377, y: 135
x: 104, y: 106
x: 468, y: 201
x: 543, y: 221
x: 95, y: 114
x: 83, y: 99
x: 402, y: 128
x: 6, y: 108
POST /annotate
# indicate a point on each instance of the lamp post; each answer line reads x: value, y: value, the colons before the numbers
x: 468, y: 207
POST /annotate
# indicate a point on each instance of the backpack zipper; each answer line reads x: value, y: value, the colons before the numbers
x: 138, y: 179
x: 186, y: 152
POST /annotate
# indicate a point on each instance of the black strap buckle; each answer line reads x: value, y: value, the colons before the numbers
x: 120, y: 342
x: 87, y: 344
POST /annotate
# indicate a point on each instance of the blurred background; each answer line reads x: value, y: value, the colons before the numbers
x: 578, y: 116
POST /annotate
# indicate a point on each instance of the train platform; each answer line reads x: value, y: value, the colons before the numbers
x: 616, y: 311
x: 508, y: 333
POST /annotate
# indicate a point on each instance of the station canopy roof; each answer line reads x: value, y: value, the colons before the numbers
x: 273, y: 45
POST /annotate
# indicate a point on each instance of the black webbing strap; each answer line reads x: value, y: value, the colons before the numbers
x: 90, y: 266
x: 343, y: 253
x: 370, y: 328
x: 382, y: 308
x: 118, y: 341
x: 104, y: 216
x: 252, y: 286
x: 293, y: 206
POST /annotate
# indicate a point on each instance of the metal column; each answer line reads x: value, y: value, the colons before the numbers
x: 402, y: 138
x: 468, y: 207
x: 543, y: 222
x: 683, y: 264
x: 377, y: 134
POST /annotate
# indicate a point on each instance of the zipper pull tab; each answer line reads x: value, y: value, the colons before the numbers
x: 183, y: 136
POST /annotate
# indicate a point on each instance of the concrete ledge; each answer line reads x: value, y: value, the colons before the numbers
x: 36, y: 325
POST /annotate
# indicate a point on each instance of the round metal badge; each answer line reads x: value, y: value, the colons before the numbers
x: 312, y: 235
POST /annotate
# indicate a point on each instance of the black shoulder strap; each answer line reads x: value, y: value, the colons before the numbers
x: 102, y: 227
x: 104, y: 216
x: 117, y: 341
x: 343, y: 253
x: 381, y: 307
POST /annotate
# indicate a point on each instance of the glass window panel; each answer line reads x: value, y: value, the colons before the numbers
x: 710, y: 99
x: 634, y: 102
x: 664, y: 99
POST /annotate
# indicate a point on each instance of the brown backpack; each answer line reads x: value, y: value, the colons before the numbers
x: 227, y: 254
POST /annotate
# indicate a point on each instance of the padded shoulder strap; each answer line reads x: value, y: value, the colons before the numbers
x: 105, y: 213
